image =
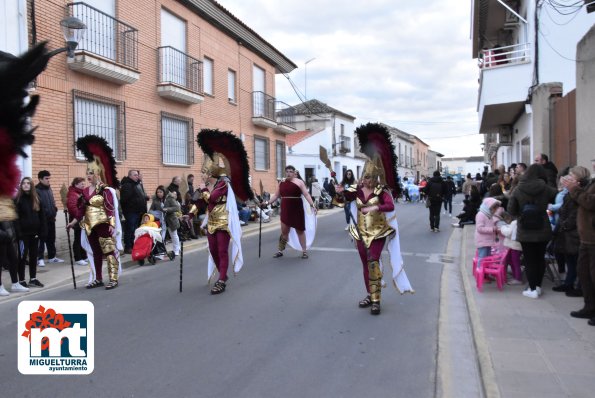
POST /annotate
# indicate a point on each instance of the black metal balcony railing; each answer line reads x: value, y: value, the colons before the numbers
x: 176, y: 67
x: 285, y: 114
x: 263, y: 105
x: 106, y: 36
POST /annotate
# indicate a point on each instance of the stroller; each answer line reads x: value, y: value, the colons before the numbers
x: 325, y: 200
x: 148, y: 243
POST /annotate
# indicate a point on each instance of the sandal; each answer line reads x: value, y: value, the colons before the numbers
x: 111, y: 285
x: 304, y: 255
x: 375, y: 310
x: 94, y: 284
x: 219, y: 287
x: 366, y: 302
x: 278, y: 254
x: 171, y: 256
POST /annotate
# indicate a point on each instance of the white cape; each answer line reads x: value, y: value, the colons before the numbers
x: 117, y: 235
x: 310, y: 224
x: 393, y: 243
x: 235, y: 232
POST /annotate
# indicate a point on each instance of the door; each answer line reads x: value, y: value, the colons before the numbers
x: 173, y: 58
x: 259, y: 90
x: 102, y: 30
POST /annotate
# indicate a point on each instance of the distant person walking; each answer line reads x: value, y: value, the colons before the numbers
x: 435, y: 192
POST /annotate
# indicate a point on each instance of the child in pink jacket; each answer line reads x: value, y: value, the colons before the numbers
x: 486, y: 229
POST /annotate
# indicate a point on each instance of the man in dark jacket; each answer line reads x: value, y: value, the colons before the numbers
x: 582, y: 191
x: 48, y: 205
x: 551, y: 170
x: 436, y: 191
x: 134, y: 205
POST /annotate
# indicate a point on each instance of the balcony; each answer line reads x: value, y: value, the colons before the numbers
x: 109, y: 48
x: 506, y: 74
x: 263, y: 110
x: 180, y: 76
x: 285, y: 117
x: 344, y: 144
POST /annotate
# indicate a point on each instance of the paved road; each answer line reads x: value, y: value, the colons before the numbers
x: 284, y: 328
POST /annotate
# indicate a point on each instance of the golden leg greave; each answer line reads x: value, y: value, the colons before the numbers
x: 112, y: 268
x: 374, y: 280
x: 282, y: 243
x: 108, y: 245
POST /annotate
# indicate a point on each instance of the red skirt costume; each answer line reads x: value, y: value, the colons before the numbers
x: 292, y: 209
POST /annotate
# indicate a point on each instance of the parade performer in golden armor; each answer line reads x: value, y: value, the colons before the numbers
x: 101, y: 234
x: 373, y: 213
x: 223, y: 183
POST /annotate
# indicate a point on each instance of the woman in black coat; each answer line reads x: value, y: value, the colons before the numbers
x: 8, y: 257
x: 30, y: 227
x: 566, y: 241
x: 528, y: 203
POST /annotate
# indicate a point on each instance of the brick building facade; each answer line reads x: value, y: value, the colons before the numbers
x: 148, y: 97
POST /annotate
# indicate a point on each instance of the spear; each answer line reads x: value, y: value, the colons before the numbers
x: 260, y: 217
x: 181, y: 263
x: 64, y: 200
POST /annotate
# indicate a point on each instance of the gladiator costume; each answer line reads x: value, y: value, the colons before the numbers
x: 15, y: 134
x: 101, y: 232
x: 297, y: 214
x: 376, y: 228
x: 222, y: 220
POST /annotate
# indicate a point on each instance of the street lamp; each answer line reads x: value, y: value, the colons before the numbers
x: 73, y: 30
x: 306, y: 77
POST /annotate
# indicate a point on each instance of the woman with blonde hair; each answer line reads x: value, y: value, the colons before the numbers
x: 30, y: 227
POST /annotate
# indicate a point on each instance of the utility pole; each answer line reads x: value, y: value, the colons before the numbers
x: 306, y: 77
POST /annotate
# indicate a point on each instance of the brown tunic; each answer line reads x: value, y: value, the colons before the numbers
x: 292, y: 208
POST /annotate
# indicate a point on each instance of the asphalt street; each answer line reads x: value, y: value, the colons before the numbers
x: 284, y: 328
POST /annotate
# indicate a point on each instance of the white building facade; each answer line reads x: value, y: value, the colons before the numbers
x: 526, y: 56
x: 321, y: 125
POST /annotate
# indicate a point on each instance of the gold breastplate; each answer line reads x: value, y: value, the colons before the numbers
x: 95, y: 213
x: 218, y: 217
x: 372, y: 225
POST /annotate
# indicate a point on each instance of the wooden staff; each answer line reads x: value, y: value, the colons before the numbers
x: 63, y: 198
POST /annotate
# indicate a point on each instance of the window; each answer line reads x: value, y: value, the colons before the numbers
x: 280, y: 156
x: 100, y: 116
x: 177, y: 146
x: 231, y: 85
x: 207, y: 65
x: 342, y: 129
x: 261, y: 153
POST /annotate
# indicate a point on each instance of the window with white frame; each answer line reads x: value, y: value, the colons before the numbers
x: 100, y: 116
x: 280, y: 158
x: 261, y: 153
x: 207, y: 65
x: 176, y: 140
x: 231, y: 85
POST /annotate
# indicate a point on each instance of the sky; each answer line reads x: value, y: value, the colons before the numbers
x: 407, y: 64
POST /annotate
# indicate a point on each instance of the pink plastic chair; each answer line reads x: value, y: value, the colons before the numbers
x: 494, y: 265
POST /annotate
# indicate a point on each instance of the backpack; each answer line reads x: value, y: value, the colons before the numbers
x: 531, y: 217
x: 435, y: 191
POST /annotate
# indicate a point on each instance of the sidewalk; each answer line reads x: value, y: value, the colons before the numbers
x: 60, y: 274
x: 527, y: 347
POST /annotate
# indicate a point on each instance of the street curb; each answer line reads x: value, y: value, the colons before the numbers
x: 486, y: 367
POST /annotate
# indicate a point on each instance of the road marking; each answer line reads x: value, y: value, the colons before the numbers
x: 439, y: 258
